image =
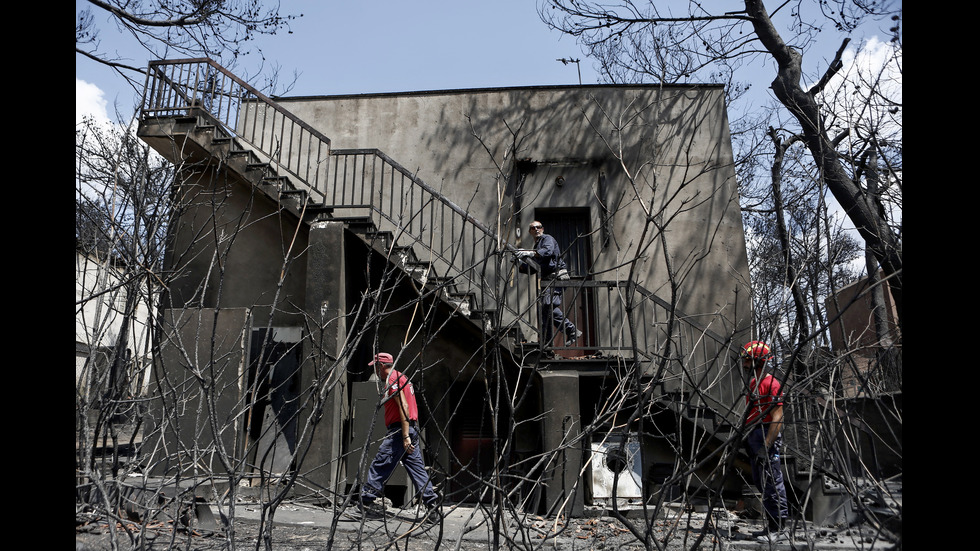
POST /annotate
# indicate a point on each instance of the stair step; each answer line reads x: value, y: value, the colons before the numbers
x: 301, y: 193
x: 248, y: 155
x: 281, y: 181
x: 462, y: 307
x: 406, y: 255
x: 358, y: 224
x: 385, y: 237
x: 363, y: 227
x: 491, y: 312
x: 464, y: 295
x: 466, y: 304
x: 419, y: 271
x: 317, y: 213
x: 448, y: 283
x: 226, y: 140
x: 700, y: 412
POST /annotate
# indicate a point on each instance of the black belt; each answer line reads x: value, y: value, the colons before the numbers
x: 398, y: 425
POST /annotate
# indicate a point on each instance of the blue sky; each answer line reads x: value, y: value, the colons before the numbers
x: 370, y: 46
x: 351, y: 47
x: 344, y: 47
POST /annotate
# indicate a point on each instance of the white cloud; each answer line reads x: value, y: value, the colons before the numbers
x: 866, y: 91
x: 89, y: 101
x: 866, y: 97
x: 873, y: 55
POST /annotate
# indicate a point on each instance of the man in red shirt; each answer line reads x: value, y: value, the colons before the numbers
x: 401, y: 443
x: 764, y: 422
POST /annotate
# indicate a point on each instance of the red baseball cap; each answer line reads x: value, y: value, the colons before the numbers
x: 384, y: 358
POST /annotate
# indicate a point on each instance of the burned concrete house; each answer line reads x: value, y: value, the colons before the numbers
x: 313, y: 232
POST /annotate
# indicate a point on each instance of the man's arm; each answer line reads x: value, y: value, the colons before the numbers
x: 403, y: 414
x: 547, y: 247
x: 775, y: 426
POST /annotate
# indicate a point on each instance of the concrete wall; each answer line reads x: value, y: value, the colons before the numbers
x: 101, y: 300
x: 231, y: 246
x: 673, y: 141
x: 852, y: 333
x: 852, y: 320
x: 202, y: 367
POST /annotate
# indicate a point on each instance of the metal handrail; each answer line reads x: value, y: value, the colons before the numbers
x: 697, y: 354
x: 701, y: 358
x: 187, y: 86
x: 190, y: 86
x: 462, y: 250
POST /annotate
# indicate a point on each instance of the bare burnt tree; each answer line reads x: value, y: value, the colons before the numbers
x: 639, y: 41
x: 211, y: 28
x: 219, y: 424
x: 121, y: 214
x: 823, y: 257
x: 801, y: 255
x: 218, y: 29
x: 702, y: 461
x: 867, y: 116
x: 210, y: 426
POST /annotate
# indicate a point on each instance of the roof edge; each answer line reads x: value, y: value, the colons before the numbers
x: 450, y: 91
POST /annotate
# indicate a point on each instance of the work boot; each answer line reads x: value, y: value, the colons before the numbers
x: 775, y: 530
x: 775, y: 536
x: 432, y: 513
x: 772, y: 526
x: 374, y: 508
x: 572, y: 337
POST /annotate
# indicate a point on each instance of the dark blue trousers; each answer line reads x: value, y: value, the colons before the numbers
x: 767, y: 473
x: 392, y: 451
x: 551, y: 315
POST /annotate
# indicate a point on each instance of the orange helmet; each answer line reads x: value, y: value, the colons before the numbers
x: 757, y: 350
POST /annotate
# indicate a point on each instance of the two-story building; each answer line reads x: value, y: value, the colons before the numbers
x: 315, y: 231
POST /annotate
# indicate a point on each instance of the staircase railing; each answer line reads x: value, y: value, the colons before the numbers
x: 349, y: 178
x: 181, y: 86
x: 462, y: 250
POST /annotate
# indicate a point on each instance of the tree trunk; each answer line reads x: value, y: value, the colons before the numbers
x: 882, y: 332
x: 878, y: 236
x: 792, y: 275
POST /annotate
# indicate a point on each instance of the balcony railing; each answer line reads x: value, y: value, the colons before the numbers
x: 183, y: 86
x: 693, y: 356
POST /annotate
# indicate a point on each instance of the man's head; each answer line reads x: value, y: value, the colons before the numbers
x: 382, y: 362
x: 755, y: 354
x: 536, y: 229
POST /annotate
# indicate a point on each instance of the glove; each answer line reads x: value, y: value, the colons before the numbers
x: 523, y: 254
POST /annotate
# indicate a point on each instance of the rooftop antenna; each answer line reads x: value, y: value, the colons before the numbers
x: 575, y: 61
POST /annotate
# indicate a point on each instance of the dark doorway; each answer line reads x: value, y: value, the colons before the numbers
x: 571, y: 227
x: 274, y: 378
x: 472, y: 437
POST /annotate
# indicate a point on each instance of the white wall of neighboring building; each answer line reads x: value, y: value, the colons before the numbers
x: 100, y: 302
